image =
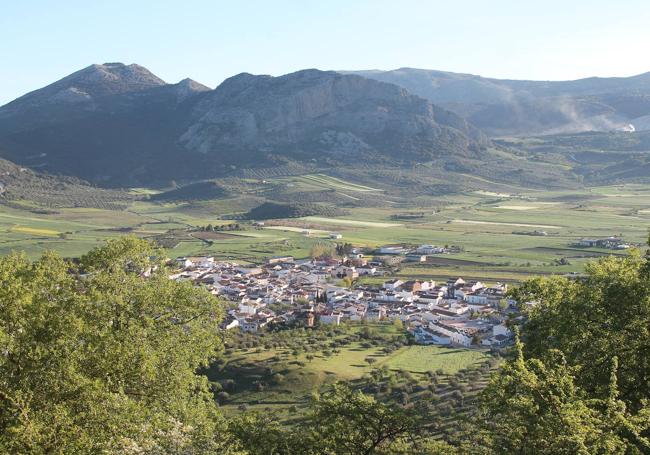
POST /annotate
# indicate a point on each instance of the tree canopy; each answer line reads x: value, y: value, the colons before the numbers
x: 580, y: 383
x: 533, y: 406
x: 100, y: 356
x: 593, y: 319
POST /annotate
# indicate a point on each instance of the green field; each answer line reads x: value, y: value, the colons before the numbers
x: 420, y: 359
x: 490, y: 227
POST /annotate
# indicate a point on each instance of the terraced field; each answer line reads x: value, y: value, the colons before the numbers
x: 335, y: 183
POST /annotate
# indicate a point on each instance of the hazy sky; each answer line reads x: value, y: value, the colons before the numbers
x: 44, y: 40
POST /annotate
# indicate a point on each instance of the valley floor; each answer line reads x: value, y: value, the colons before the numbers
x: 502, y: 236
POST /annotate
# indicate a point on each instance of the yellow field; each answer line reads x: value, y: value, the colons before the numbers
x: 34, y: 231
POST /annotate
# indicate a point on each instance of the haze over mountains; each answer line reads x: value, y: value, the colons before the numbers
x: 116, y: 124
x: 513, y: 107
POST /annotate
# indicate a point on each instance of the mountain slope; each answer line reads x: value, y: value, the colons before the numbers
x: 511, y: 107
x: 119, y: 124
x: 23, y: 188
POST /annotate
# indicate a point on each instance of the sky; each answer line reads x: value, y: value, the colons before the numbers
x: 42, y: 41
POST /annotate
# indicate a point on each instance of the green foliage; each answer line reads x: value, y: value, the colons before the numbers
x: 271, y: 210
x: 342, y: 421
x: 343, y: 249
x: 262, y: 434
x: 322, y: 250
x: 584, y: 388
x: 592, y: 320
x: 349, y: 422
x: 40, y: 192
x: 105, y: 361
x: 348, y: 283
x: 534, y: 407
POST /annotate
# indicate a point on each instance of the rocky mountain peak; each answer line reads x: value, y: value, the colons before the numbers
x: 97, y: 80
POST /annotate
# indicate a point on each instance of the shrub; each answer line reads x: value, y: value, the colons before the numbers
x: 223, y: 397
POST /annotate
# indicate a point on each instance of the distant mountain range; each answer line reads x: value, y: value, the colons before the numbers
x: 502, y: 107
x: 121, y: 124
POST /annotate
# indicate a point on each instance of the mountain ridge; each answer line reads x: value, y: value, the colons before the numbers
x: 527, y: 107
x: 122, y: 124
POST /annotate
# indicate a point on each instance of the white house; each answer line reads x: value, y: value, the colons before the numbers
x: 250, y: 307
x: 367, y: 270
x: 416, y: 257
x: 393, y: 284
x: 427, y: 336
x: 184, y: 262
x: 392, y: 250
x: 501, y: 329
x: 231, y: 324
x: 455, y: 335
x: 201, y: 261
x: 430, y: 249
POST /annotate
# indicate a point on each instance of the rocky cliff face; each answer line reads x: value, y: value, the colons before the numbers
x: 115, y: 123
x: 326, y: 113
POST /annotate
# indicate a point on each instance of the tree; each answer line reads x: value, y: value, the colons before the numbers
x: 344, y: 249
x: 350, y: 422
x: 534, y: 407
x: 101, y: 357
x: 322, y: 250
x: 223, y: 397
x: 606, y: 314
x: 348, y: 282
x: 262, y: 434
x: 342, y: 421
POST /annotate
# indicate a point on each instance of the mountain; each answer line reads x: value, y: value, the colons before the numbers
x: 335, y: 116
x: 511, y: 107
x: 110, y: 123
x: 119, y: 124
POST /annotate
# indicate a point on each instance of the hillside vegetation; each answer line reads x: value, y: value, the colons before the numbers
x: 24, y: 188
x: 270, y: 210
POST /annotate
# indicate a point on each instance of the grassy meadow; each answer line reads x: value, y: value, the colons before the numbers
x: 280, y: 371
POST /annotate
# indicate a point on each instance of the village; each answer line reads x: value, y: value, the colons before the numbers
x: 289, y: 292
